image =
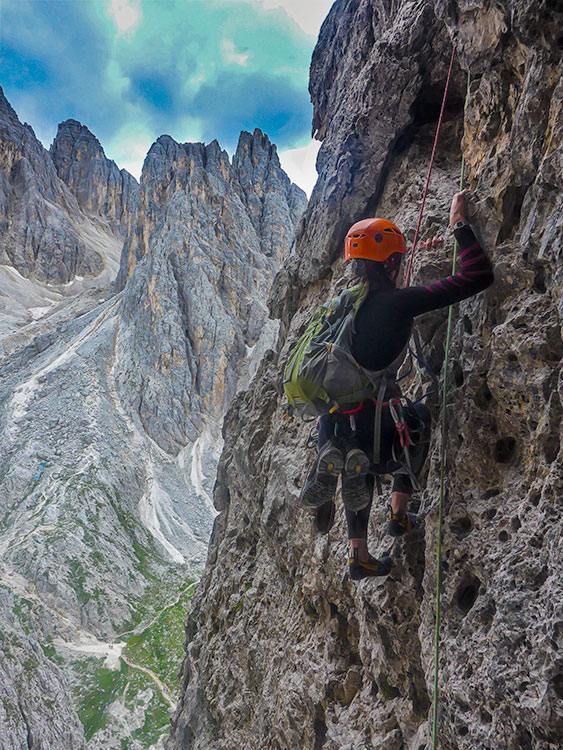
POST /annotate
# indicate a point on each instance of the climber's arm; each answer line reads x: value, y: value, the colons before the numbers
x: 475, y: 275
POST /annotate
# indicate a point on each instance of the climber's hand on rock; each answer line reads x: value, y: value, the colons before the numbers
x: 434, y: 242
x: 457, y: 210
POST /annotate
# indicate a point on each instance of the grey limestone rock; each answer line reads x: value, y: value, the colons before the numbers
x: 110, y: 425
x: 42, y: 226
x: 100, y: 187
x: 282, y: 650
x: 206, y: 238
x: 274, y: 203
x: 36, y: 708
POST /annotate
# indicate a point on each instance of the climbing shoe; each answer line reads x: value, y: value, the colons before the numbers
x: 355, y: 491
x: 324, y: 517
x: 402, y: 522
x: 320, y: 484
x: 373, y: 567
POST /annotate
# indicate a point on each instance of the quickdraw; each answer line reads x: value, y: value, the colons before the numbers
x: 400, y: 423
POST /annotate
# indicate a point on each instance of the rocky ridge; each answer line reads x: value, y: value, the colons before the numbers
x: 110, y: 429
x: 99, y: 186
x: 45, y: 234
x: 54, y: 251
x: 282, y: 650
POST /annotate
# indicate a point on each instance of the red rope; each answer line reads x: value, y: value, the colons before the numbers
x: 407, y: 277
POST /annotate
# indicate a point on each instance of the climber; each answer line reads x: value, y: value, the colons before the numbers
x: 349, y: 440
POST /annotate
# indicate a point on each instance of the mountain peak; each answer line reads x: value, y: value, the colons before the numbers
x: 73, y: 136
x: 98, y: 184
x: 257, y: 145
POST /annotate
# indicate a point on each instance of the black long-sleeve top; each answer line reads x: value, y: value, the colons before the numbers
x: 383, y: 323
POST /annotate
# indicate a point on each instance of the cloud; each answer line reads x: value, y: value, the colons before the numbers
x: 126, y: 14
x: 129, y: 148
x: 309, y: 14
x: 299, y: 164
x: 190, y: 68
x: 238, y: 102
x: 230, y: 54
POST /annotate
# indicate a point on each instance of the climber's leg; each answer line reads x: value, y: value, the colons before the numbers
x: 320, y: 485
x: 358, y: 525
x: 400, y: 520
x: 362, y: 564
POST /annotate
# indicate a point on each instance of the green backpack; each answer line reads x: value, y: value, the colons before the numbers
x: 321, y: 374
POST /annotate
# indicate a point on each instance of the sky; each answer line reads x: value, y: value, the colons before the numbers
x: 132, y: 70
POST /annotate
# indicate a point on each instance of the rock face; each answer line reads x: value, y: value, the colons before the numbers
x: 282, y: 650
x: 53, y: 247
x: 99, y: 186
x: 110, y: 433
x: 42, y: 226
x: 274, y: 203
x: 35, y: 703
x: 197, y: 228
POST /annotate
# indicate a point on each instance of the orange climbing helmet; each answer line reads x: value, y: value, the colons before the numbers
x: 374, y: 239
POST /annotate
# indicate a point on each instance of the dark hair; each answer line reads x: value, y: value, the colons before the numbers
x: 372, y: 270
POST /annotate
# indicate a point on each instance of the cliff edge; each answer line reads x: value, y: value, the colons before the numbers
x: 282, y: 650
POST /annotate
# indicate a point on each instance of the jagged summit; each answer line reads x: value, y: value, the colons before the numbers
x: 257, y: 167
x: 6, y: 110
x: 254, y: 178
x: 201, y: 222
x: 256, y: 143
x: 110, y: 429
x: 44, y: 229
x: 100, y: 187
x: 74, y: 141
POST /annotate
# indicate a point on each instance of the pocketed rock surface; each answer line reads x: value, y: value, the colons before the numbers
x: 282, y: 649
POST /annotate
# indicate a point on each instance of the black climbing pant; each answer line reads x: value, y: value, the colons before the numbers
x: 348, y: 431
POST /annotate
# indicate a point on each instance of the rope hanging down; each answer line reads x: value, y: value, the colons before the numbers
x: 408, y: 273
x: 443, y: 405
x: 443, y: 443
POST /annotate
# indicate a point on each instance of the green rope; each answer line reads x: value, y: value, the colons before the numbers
x: 442, y: 489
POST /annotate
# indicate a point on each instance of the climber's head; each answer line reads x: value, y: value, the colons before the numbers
x: 377, y: 247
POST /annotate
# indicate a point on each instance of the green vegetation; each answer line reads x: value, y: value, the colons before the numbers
x: 22, y: 609
x: 99, y: 689
x: 30, y: 665
x: 159, y: 647
x: 240, y: 603
x: 77, y: 579
x: 11, y: 711
x: 51, y: 652
x: 157, y: 722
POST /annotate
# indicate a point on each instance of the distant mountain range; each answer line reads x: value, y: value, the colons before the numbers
x: 130, y: 316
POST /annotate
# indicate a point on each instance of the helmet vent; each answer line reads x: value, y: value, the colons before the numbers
x: 387, y: 229
x: 354, y: 244
x: 396, y: 231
